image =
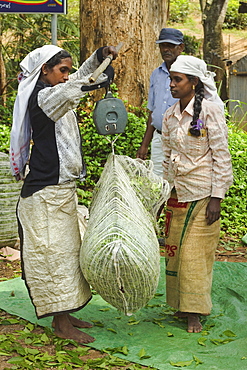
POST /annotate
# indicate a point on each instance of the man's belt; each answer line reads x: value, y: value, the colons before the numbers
x: 159, y: 132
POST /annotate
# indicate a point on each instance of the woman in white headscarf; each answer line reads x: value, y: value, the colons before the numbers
x: 47, y: 209
x: 198, y: 167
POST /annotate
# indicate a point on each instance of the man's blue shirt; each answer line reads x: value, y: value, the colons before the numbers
x: 159, y: 97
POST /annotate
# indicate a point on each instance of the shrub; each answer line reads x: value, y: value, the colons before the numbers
x: 6, y: 122
x: 233, y: 19
x: 192, y: 46
x: 96, y: 148
x: 179, y: 10
x: 4, y: 138
x: 234, y: 210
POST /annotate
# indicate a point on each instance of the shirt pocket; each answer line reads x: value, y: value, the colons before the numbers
x: 196, y: 146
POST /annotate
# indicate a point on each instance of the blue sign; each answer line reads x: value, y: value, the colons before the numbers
x: 33, y: 6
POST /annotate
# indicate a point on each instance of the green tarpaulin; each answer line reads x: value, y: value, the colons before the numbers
x: 154, y: 331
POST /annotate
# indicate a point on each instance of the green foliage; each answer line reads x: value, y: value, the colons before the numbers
x: 4, y: 138
x: 96, y: 148
x: 234, y: 212
x: 192, y: 46
x: 29, y: 349
x: 179, y: 11
x: 239, y: 110
x: 233, y: 19
x: 7, y: 109
x: 5, y: 122
x: 26, y: 32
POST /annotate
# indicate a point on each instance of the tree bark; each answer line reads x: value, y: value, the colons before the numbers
x: 213, y: 15
x: 137, y: 24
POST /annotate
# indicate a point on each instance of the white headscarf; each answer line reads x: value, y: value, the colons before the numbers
x: 190, y: 65
x: 21, y: 129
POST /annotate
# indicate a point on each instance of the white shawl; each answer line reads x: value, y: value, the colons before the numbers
x: 21, y: 129
x: 190, y: 65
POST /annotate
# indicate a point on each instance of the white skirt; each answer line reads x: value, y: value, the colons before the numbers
x: 51, y: 241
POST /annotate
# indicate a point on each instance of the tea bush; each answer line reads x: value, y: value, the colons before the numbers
x: 233, y: 19
x: 178, y: 11
x: 96, y: 149
x: 234, y: 212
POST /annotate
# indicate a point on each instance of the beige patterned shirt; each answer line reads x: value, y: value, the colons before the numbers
x: 197, y: 166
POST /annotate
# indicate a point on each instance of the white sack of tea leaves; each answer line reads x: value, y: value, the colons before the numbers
x: 120, y: 252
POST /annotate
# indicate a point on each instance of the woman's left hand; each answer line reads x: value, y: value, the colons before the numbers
x: 213, y: 210
x: 110, y: 50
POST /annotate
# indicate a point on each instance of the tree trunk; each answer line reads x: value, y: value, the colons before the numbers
x: 137, y: 24
x: 213, y: 15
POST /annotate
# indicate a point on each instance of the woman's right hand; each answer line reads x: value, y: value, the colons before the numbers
x: 107, y: 50
x: 213, y: 210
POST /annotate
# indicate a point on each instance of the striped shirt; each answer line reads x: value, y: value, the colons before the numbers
x: 198, y: 167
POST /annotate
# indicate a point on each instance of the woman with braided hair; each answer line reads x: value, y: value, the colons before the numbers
x: 198, y: 167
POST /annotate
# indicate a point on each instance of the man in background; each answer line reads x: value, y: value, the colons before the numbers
x: 171, y: 45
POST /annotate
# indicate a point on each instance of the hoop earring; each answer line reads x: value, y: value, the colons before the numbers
x: 193, y: 87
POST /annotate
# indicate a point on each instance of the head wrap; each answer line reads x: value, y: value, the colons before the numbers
x: 21, y: 128
x: 190, y: 65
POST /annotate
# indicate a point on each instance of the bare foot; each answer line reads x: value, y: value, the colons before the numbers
x: 79, y: 323
x: 194, y: 325
x: 181, y: 314
x: 76, y: 322
x: 63, y: 328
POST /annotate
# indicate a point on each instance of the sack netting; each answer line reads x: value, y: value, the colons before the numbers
x: 120, y: 251
x: 9, y: 194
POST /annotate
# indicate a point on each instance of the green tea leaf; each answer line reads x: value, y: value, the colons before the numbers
x: 229, y: 333
x: 112, y: 330
x: 157, y: 322
x: 28, y: 341
x: 197, y: 361
x: 3, y: 337
x: 202, y: 341
x: 32, y: 351
x: 98, y: 323
x: 5, y: 322
x: 133, y: 322
x: 169, y: 334
x: 125, y: 350
x: 142, y: 354
x: 181, y: 363
x: 44, y: 338
x: 30, y: 326
x: 221, y: 341
x: 10, y: 321
x: 16, y: 360
x: 204, y: 332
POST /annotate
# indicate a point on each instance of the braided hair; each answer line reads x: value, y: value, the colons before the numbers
x: 199, y: 95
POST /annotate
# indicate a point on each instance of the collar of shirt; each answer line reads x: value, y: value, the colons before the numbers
x: 188, y: 109
x: 164, y: 68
